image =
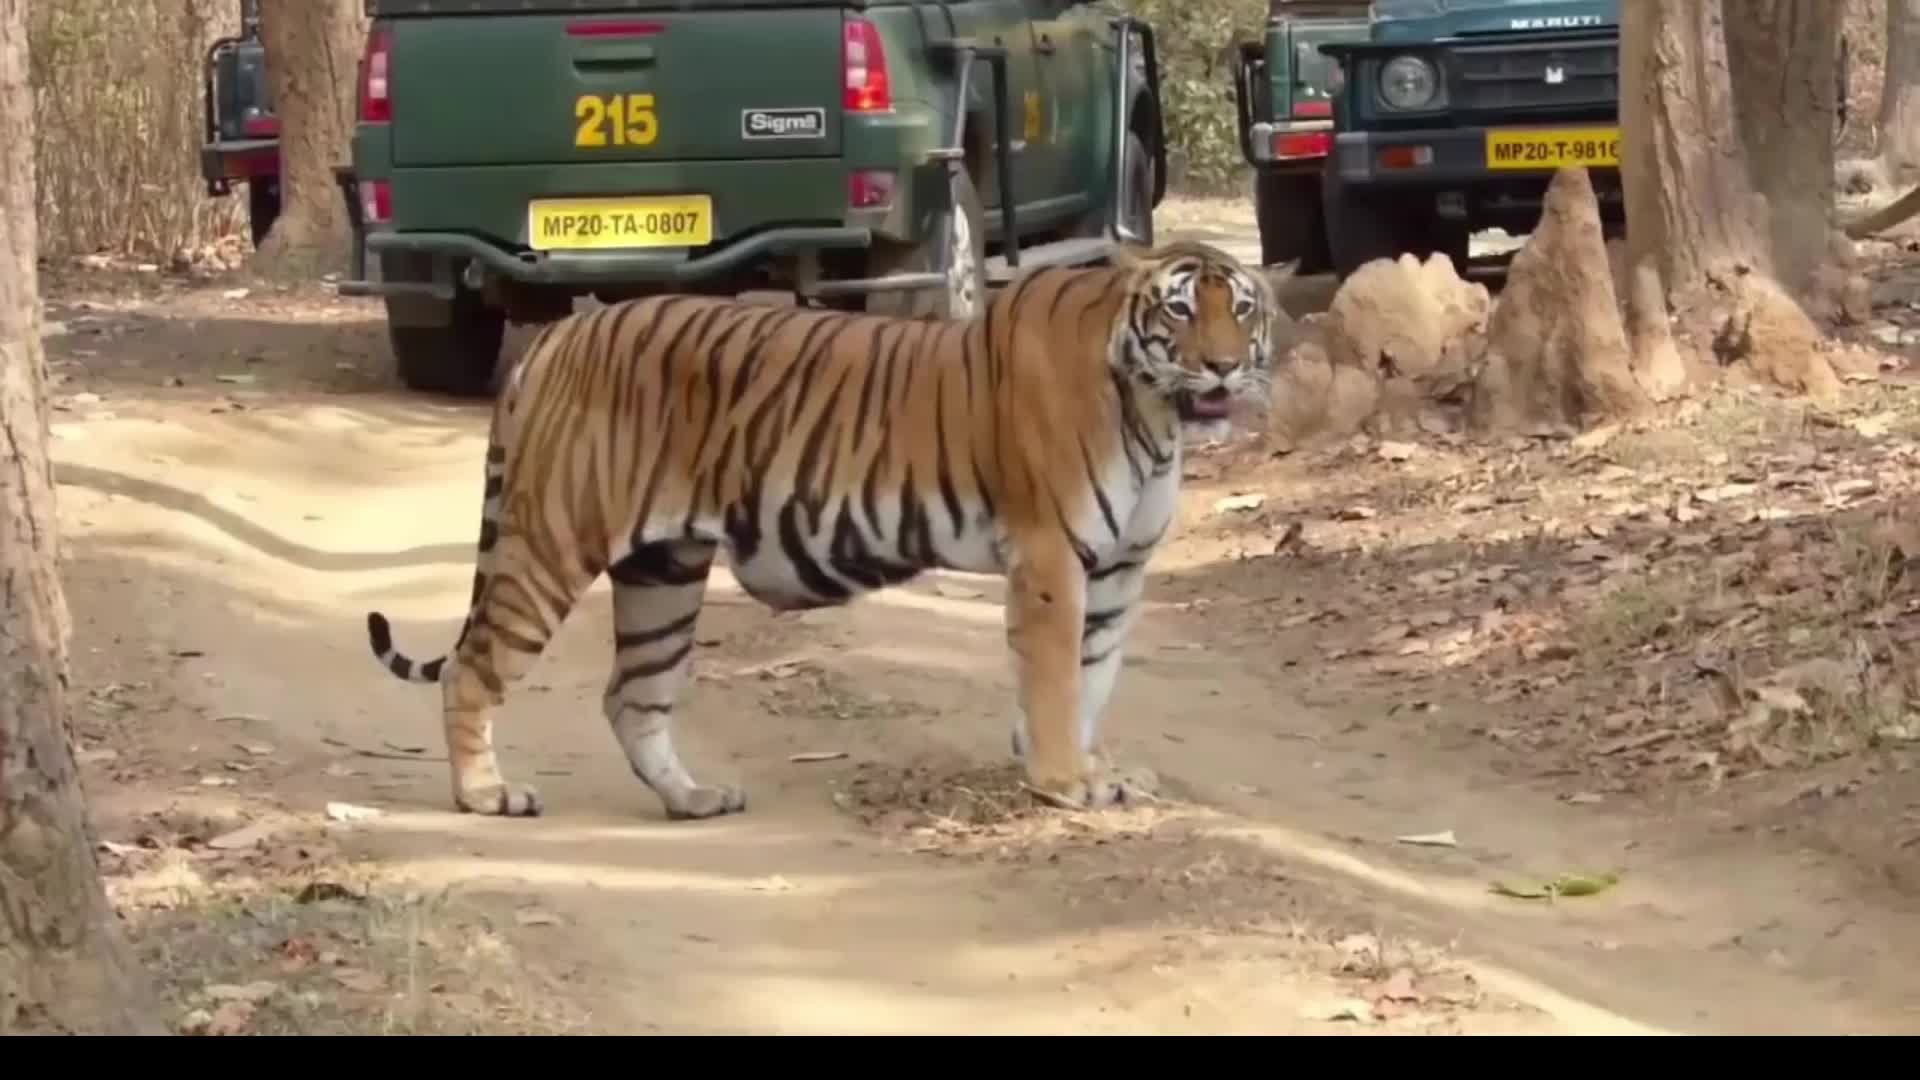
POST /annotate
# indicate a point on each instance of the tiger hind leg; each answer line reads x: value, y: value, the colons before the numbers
x: 519, y: 605
x: 657, y: 594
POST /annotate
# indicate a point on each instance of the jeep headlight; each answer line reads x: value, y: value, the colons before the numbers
x: 1408, y: 82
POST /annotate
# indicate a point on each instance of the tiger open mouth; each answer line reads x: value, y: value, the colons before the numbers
x: 1212, y: 405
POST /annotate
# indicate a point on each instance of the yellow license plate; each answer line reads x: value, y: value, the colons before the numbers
x: 1550, y: 148
x: 637, y: 222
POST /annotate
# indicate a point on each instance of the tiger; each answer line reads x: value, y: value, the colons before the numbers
x: 833, y: 453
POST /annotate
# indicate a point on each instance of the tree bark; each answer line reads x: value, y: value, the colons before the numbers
x: 313, y: 53
x: 64, y: 966
x: 1899, y: 123
x: 1690, y: 207
x: 1693, y: 207
x: 1782, y: 56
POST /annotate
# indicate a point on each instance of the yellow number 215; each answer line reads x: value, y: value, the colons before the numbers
x: 629, y: 116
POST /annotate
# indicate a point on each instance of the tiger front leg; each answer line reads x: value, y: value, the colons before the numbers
x: 1046, y: 613
x: 1113, y: 605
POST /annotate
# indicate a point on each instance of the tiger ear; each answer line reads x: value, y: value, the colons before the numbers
x: 1280, y: 274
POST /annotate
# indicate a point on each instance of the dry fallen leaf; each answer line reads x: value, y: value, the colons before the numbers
x: 251, y: 992
x: 360, y: 980
x: 246, y: 837
x: 342, y: 811
x: 806, y: 756
x: 231, y: 1018
x: 1399, y: 987
x: 1344, y: 1009
x: 776, y: 883
x: 1439, y: 839
x: 1233, y: 503
x: 534, y: 916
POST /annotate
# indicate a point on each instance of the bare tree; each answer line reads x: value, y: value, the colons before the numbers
x: 313, y: 49
x: 1721, y: 201
x: 63, y: 964
x: 1783, y: 57
x: 1899, y: 123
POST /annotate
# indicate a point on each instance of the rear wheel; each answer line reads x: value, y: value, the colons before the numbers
x: 965, y: 292
x: 1292, y: 222
x: 442, y: 347
x: 263, y: 207
x: 1360, y: 230
x: 1357, y: 231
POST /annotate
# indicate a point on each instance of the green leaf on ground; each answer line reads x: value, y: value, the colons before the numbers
x: 1564, y: 885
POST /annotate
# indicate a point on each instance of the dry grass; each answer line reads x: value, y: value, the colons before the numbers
x: 285, y: 937
x: 117, y: 95
x: 1723, y: 592
x: 951, y: 808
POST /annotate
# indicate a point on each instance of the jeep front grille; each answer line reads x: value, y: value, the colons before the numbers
x: 1543, y: 76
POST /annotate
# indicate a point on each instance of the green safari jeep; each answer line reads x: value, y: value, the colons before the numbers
x: 1453, y: 115
x: 1283, y: 102
x: 887, y: 155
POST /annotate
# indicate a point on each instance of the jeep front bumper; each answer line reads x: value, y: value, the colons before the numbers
x: 1440, y: 157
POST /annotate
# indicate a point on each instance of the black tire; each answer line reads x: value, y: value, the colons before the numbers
x: 263, y: 208
x: 1358, y: 231
x: 457, y: 358
x: 1293, y: 224
x: 966, y: 293
x: 1452, y: 238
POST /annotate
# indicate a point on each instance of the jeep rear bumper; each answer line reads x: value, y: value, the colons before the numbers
x: 590, y: 269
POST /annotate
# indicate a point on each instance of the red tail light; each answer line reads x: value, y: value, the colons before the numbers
x: 1313, y: 108
x: 376, y: 202
x: 376, y: 79
x: 863, y: 66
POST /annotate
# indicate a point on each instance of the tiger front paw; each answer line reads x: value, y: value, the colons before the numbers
x: 1100, y: 789
x: 500, y: 799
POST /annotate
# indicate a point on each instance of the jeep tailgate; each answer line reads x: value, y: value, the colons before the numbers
x: 646, y: 82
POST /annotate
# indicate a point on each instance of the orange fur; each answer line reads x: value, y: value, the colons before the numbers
x: 833, y: 454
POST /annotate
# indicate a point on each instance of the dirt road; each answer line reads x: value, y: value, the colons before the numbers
x: 240, y: 484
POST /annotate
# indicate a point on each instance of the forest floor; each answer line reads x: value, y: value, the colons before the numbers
x: 1604, y: 736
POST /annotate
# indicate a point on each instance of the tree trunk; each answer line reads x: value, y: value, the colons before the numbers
x: 1899, y: 122
x: 1782, y: 56
x: 63, y: 964
x: 1690, y: 207
x: 1693, y: 209
x: 313, y: 54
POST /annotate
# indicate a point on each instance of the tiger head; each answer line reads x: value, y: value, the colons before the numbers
x: 1203, y: 329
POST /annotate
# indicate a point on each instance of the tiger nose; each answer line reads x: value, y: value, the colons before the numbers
x: 1221, y: 365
